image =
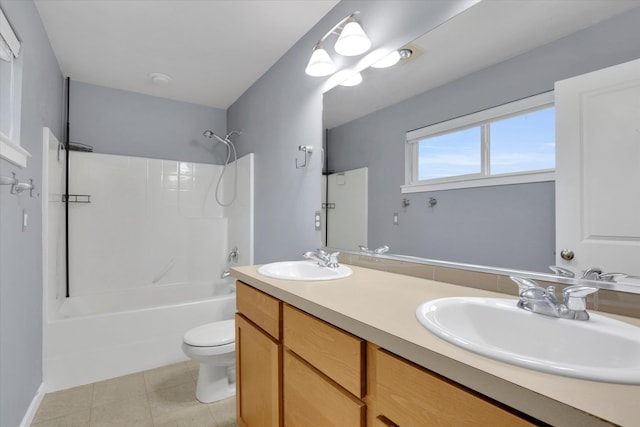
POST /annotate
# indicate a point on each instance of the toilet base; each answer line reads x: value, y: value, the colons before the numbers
x: 215, y: 383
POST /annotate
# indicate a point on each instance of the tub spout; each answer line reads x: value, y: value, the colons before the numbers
x: 225, y: 274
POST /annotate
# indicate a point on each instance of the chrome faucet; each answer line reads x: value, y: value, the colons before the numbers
x: 537, y: 299
x: 324, y: 259
x: 377, y: 251
x: 595, y: 273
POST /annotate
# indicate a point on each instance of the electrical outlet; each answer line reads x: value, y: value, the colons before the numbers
x: 317, y: 221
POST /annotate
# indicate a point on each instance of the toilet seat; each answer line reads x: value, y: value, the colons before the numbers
x: 212, y: 334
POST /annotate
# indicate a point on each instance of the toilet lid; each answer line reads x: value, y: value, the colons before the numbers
x: 211, y: 334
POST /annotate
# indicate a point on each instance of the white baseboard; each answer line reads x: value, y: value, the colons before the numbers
x: 33, y: 407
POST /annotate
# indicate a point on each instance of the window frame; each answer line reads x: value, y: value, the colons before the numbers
x: 478, y: 119
x: 10, y: 149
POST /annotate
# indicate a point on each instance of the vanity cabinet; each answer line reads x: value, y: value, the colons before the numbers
x: 295, y: 370
x: 408, y: 395
x: 312, y: 399
x: 258, y: 359
x: 323, y: 373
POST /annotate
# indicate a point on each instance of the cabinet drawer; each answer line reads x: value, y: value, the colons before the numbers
x: 260, y: 308
x: 408, y: 395
x: 310, y: 399
x: 337, y: 354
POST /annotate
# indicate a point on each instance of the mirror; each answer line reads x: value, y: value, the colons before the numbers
x: 462, y: 67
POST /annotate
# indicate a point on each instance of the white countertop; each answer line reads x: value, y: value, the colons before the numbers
x: 380, y: 307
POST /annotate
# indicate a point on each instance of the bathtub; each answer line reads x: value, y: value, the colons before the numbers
x: 95, y: 337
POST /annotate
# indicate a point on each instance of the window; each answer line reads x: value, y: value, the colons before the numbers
x: 10, y: 95
x: 512, y: 143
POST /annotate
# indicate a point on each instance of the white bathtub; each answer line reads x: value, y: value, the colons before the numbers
x: 96, y: 337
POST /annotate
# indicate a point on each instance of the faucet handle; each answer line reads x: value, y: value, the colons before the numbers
x: 561, y: 271
x: 333, y: 260
x: 611, y: 277
x: 525, y: 285
x: 381, y: 250
x: 575, y: 297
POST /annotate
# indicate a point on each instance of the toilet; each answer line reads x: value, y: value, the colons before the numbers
x: 214, y: 346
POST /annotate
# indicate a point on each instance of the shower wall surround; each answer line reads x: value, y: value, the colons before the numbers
x: 149, y: 222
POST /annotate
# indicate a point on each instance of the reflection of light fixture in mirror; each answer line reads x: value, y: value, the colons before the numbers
x: 352, y: 41
x: 393, y: 58
x: 354, y: 80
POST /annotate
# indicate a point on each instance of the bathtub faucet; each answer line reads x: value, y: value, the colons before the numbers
x: 324, y: 259
x: 233, y: 255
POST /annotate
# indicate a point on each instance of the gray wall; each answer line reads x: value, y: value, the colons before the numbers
x: 505, y: 226
x: 283, y: 110
x: 20, y: 252
x: 120, y: 122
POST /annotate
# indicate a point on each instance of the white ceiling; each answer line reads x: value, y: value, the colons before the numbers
x: 214, y: 50
x: 487, y: 33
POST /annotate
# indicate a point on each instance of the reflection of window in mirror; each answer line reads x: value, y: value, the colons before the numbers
x: 10, y: 94
x: 511, y: 143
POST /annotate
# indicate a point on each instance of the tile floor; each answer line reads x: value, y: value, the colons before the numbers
x: 162, y: 397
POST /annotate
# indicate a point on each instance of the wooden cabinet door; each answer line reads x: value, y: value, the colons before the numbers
x: 311, y: 399
x: 258, y: 380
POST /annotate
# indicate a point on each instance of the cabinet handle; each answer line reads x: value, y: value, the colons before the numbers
x: 386, y: 421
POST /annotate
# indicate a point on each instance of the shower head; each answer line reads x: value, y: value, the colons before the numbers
x: 209, y: 134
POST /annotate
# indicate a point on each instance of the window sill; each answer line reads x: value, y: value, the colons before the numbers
x: 507, y: 179
x: 12, y: 152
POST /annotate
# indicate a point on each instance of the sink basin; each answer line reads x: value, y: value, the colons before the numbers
x: 303, y: 270
x: 600, y: 349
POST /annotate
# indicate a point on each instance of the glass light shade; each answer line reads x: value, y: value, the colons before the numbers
x: 388, y: 61
x: 320, y: 64
x: 352, y: 40
x: 354, y: 80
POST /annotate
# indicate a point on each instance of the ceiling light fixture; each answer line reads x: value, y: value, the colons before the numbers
x: 352, y: 41
x: 393, y: 58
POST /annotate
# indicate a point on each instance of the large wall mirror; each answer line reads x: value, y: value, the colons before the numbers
x: 494, y: 53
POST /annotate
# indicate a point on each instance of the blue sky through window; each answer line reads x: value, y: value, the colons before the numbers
x: 524, y: 143
x: 452, y: 154
x: 517, y: 144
